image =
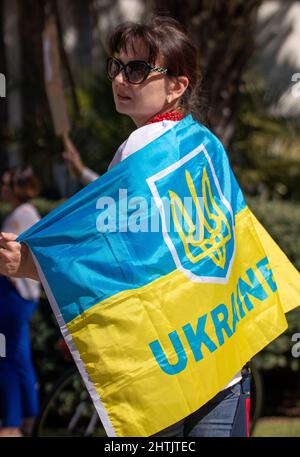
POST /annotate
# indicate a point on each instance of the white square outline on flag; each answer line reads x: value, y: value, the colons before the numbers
x: 161, y: 174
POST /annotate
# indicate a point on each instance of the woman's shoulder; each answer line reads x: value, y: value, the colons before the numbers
x: 21, y: 218
x: 139, y: 138
x: 144, y: 135
x: 27, y: 213
x: 27, y: 208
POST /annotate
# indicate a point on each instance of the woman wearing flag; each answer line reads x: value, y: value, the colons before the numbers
x: 155, y: 79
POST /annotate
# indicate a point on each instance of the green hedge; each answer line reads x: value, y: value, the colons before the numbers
x: 282, y: 220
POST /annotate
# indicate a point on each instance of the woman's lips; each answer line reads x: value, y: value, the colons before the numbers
x: 123, y: 97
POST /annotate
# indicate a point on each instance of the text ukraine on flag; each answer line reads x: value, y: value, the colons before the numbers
x: 196, y: 334
x: 159, y: 321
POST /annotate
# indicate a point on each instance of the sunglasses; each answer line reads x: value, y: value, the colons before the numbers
x: 136, y: 71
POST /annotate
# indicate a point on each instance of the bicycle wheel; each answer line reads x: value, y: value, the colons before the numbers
x: 256, y: 397
x: 68, y: 410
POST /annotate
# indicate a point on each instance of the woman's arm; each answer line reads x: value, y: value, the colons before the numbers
x: 15, y: 258
x: 75, y: 165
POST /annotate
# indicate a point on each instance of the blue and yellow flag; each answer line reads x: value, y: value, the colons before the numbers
x: 162, y: 281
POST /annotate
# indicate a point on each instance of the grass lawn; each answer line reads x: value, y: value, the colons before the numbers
x: 277, y: 426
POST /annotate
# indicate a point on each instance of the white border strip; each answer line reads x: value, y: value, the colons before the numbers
x: 71, y: 345
x: 161, y: 174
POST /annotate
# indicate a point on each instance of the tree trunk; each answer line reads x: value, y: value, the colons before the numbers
x: 223, y: 32
x: 31, y: 28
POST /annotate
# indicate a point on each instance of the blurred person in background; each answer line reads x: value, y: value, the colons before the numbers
x: 18, y: 300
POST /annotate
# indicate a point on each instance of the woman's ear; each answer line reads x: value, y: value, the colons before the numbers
x: 177, y: 87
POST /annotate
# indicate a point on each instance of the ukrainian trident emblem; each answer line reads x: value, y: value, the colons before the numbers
x: 214, y: 230
x: 200, y: 232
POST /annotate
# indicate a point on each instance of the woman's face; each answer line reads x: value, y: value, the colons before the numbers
x: 142, y: 101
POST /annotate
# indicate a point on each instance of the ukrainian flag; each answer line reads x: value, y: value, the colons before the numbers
x: 162, y: 281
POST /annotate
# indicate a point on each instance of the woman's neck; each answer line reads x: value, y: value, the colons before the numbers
x: 174, y: 114
x: 169, y: 116
x: 162, y: 115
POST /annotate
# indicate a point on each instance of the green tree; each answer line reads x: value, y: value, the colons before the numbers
x: 265, y: 150
x: 223, y: 31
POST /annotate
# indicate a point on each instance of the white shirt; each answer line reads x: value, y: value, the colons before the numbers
x: 140, y: 138
x: 19, y: 220
x: 136, y: 141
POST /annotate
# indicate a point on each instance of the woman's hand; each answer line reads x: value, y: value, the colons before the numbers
x: 15, y: 258
x: 72, y: 157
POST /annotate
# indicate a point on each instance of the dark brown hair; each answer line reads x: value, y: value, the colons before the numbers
x: 24, y: 183
x: 164, y: 37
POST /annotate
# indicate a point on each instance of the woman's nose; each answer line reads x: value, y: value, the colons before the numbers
x: 121, y: 78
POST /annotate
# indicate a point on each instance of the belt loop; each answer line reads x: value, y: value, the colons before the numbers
x: 246, y: 379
